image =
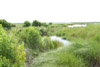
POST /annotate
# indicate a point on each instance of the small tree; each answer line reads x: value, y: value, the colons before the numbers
x: 36, y: 23
x: 27, y: 24
x: 5, y: 23
x: 50, y: 23
x: 44, y: 24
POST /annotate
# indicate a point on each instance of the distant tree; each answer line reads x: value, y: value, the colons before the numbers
x: 5, y: 23
x: 44, y: 24
x: 27, y: 24
x: 50, y: 23
x: 36, y: 23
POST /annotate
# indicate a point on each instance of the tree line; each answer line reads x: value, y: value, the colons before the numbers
x: 36, y: 23
x: 8, y: 25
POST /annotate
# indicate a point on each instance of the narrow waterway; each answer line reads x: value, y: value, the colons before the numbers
x: 64, y: 42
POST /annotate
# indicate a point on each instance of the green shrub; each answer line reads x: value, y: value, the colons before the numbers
x: 5, y: 24
x: 10, y: 51
x: 43, y: 31
x: 44, y: 24
x: 26, y: 24
x: 4, y: 62
x: 36, y: 23
x: 31, y: 38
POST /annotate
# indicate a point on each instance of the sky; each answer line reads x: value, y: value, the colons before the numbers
x: 50, y: 10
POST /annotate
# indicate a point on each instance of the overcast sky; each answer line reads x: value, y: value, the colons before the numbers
x: 50, y: 10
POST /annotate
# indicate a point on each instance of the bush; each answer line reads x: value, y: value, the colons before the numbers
x: 31, y: 38
x: 50, y: 23
x: 36, y: 23
x: 4, y: 62
x: 44, y: 24
x: 12, y: 53
x: 27, y: 24
x: 5, y: 23
x: 43, y: 31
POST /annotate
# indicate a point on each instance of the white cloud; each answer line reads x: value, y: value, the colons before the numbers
x: 50, y: 10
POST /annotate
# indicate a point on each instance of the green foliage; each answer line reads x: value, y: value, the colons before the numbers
x: 57, y: 44
x: 12, y: 53
x: 65, y: 59
x: 31, y: 38
x: 43, y: 31
x: 59, y: 58
x: 44, y: 24
x: 5, y: 23
x: 27, y: 24
x: 50, y: 23
x: 48, y: 44
x: 4, y: 62
x: 83, y: 32
x: 36, y: 23
x: 13, y: 25
x: 83, y: 52
x: 88, y: 50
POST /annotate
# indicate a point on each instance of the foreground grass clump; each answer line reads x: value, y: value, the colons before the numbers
x: 58, y: 58
x: 49, y: 44
x: 11, y: 54
x: 89, y: 50
x: 66, y: 59
x: 31, y: 38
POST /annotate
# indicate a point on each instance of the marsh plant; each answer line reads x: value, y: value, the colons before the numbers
x: 11, y: 54
x: 31, y: 37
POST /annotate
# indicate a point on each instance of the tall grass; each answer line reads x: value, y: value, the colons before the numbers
x: 49, y: 44
x: 59, y: 58
x: 89, y: 50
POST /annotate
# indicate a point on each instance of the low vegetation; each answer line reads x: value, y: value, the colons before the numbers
x: 11, y: 53
x: 30, y: 45
x: 27, y: 24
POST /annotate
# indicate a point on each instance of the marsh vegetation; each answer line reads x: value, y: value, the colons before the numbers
x: 50, y: 45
